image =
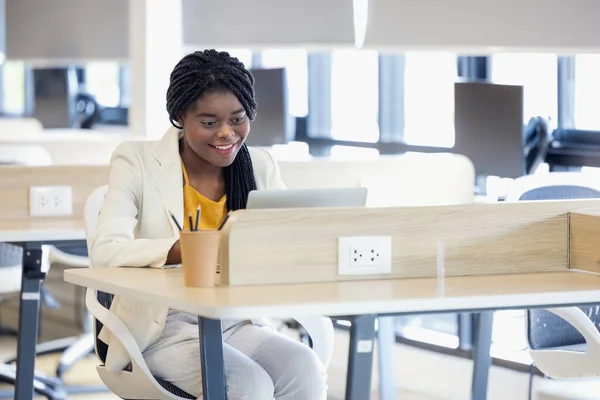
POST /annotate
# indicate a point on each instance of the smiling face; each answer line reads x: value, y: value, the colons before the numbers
x: 215, y: 127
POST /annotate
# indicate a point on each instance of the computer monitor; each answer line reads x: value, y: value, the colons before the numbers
x: 307, y: 198
x: 55, y: 90
x: 488, y: 121
x: 274, y: 123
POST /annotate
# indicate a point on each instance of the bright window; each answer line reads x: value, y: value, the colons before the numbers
x: 102, y: 82
x: 429, y: 98
x: 355, y: 95
x: 587, y: 92
x: 14, y: 87
x: 352, y: 153
x: 538, y: 74
x: 295, y: 63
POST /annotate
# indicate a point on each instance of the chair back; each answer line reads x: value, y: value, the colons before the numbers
x: 29, y: 155
x: 91, y: 212
x: 545, y: 329
x: 11, y: 258
x: 536, y: 140
x: 10, y: 255
x: 20, y: 127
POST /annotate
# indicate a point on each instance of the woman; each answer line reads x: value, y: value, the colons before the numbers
x: 202, y: 161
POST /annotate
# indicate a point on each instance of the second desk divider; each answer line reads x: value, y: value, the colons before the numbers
x: 300, y: 245
x: 584, y: 242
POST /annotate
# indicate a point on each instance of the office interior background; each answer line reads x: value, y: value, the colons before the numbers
x: 69, y: 64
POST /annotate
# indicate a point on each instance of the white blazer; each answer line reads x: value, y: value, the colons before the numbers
x: 135, y: 228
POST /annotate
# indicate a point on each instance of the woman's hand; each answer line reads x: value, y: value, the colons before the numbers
x: 174, y: 255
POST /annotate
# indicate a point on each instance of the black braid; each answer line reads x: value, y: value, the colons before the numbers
x: 206, y: 71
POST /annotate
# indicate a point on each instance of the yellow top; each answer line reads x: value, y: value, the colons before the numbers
x: 212, y: 212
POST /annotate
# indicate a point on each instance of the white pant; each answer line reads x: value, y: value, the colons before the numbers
x: 260, y: 363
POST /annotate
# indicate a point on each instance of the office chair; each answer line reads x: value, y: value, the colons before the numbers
x: 11, y: 258
x: 138, y: 382
x: 25, y: 155
x: 88, y: 111
x: 536, y: 141
x: 563, y: 342
x: 72, y: 348
x: 19, y: 127
x: 83, y: 345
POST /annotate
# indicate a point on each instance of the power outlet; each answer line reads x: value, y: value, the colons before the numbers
x: 365, y: 255
x: 50, y: 201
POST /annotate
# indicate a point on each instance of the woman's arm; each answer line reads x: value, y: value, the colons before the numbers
x: 113, y: 243
x: 174, y: 255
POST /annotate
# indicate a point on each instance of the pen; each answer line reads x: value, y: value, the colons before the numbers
x: 191, y: 220
x: 175, y: 220
x: 197, y: 218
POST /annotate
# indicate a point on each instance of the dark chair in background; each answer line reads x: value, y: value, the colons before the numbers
x: 565, y: 342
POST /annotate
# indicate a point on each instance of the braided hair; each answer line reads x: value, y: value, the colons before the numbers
x: 213, y: 71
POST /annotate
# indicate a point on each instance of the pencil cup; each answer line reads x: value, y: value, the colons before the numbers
x: 199, y: 257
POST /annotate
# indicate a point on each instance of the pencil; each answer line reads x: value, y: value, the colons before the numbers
x: 175, y: 220
x: 197, y: 218
x: 224, y: 221
x: 190, y: 219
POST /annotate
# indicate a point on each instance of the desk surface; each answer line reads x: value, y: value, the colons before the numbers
x: 41, y: 230
x: 165, y: 287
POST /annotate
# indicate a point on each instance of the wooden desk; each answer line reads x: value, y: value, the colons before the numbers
x: 31, y: 235
x: 363, y: 299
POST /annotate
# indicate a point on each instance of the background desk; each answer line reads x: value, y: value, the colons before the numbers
x: 32, y: 234
x: 363, y: 299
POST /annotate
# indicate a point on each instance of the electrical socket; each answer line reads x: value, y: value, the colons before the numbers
x: 50, y: 201
x: 365, y: 255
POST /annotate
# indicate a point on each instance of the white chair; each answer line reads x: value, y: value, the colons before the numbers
x: 18, y: 154
x: 581, y: 359
x: 20, y: 127
x: 83, y: 345
x: 11, y: 257
x: 563, y: 342
x: 138, y: 382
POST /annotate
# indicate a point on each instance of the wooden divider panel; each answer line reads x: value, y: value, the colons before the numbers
x: 15, y: 182
x: 301, y: 245
x: 584, y: 242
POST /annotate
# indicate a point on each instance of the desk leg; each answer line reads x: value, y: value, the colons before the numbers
x: 211, y: 354
x: 29, y: 307
x: 386, y: 343
x: 482, y: 360
x: 360, y: 358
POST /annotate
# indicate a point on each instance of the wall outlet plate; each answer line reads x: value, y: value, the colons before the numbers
x: 50, y: 201
x: 365, y: 255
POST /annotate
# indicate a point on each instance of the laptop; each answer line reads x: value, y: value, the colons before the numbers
x: 304, y: 198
